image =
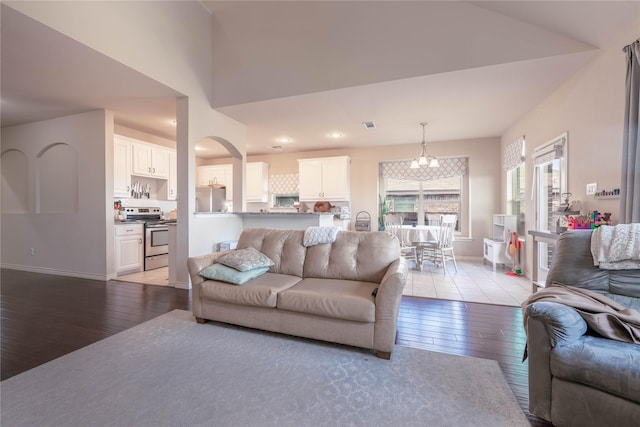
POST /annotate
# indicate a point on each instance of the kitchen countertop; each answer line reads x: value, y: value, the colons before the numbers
x: 285, y: 213
x: 267, y: 213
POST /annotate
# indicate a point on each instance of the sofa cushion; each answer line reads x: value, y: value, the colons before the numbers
x: 353, y: 256
x: 608, y: 365
x: 341, y: 299
x: 261, y: 291
x: 572, y: 264
x: 245, y: 259
x: 283, y: 247
x: 231, y: 275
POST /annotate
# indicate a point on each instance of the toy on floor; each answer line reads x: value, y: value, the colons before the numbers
x: 514, y: 251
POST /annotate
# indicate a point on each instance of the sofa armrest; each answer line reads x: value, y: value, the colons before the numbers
x: 563, y: 324
x: 195, y: 265
x: 548, y: 325
x: 388, y: 304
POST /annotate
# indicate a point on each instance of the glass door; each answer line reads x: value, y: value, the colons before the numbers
x: 550, y: 161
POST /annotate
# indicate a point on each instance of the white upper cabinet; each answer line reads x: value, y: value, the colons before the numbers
x: 326, y: 178
x: 217, y: 174
x: 150, y: 160
x: 121, y: 167
x: 257, y: 182
x: 132, y: 158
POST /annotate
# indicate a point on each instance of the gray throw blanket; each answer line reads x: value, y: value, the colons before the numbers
x: 603, y: 315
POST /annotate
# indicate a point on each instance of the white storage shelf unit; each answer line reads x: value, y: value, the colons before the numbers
x: 495, y: 246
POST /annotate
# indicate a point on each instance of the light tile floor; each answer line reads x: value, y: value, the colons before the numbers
x: 157, y: 276
x: 473, y: 282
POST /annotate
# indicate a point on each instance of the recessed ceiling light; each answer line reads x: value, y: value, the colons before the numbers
x: 283, y: 139
x: 335, y: 135
x: 199, y: 148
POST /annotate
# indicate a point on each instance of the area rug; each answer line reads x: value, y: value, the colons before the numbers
x: 171, y: 371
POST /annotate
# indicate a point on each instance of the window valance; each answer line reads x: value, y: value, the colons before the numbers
x: 514, y: 154
x: 399, y: 169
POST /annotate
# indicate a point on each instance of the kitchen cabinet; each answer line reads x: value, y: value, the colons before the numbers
x: 149, y: 160
x: 220, y: 174
x: 325, y: 178
x: 129, y: 241
x: 121, y: 167
x: 172, y: 181
x: 257, y: 182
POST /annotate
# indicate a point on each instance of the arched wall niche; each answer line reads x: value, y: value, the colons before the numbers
x: 15, y: 181
x: 57, y: 179
x: 238, y: 169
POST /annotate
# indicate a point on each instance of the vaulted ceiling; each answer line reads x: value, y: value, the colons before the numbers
x: 305, y: 69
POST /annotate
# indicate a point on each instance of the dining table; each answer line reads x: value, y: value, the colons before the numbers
x: 418, y: 236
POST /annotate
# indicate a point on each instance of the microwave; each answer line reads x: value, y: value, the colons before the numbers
x: 285, y: 200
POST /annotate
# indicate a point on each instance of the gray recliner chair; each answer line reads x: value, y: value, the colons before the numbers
x: 577, y: 378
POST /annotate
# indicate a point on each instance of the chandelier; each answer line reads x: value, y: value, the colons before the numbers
x: 424, y: 159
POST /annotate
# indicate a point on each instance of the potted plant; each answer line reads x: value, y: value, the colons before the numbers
x: 383, y: 209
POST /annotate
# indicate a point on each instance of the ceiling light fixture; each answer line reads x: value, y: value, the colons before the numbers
x: 335, y: 135
x: 283, y: 139
x: 424, y: 159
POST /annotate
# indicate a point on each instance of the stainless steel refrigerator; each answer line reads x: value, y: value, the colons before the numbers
x: 210, y: 199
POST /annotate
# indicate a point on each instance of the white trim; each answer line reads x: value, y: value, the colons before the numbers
x: 56, y: 272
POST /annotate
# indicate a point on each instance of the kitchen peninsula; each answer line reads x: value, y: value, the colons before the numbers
x: 291, y: 220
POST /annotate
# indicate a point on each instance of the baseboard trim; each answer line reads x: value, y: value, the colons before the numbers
x: 56, y: 272
x: 182, y: 285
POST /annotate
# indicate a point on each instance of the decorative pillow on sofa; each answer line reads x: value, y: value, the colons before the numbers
x: 245, y: 259
x: 318, y: 235
x: 231, y: 275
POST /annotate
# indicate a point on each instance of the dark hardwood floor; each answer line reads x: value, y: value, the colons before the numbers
x: 44, y: 317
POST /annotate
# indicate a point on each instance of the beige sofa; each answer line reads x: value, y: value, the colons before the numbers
x: 323, y: 292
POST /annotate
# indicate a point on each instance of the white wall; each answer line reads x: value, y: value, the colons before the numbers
x: 590, y: 107
x: 164, y: 41
x: 75, y: 243
x: 484, y: 179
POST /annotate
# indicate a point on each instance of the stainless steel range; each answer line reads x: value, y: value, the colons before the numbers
x: 156, y: 235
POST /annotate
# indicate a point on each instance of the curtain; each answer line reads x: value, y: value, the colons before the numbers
x: 514, y: 154
x: 449, y: 166
x: 630, y: 180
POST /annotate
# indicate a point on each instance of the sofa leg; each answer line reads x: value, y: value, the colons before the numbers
x: 201, y: 320
x: 384, y: 355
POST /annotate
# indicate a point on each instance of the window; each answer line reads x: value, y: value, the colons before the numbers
x: 422, y: 195
x: 514, y: 164
x: 550, y: 181
x: 438, y: 197
x: 515, y: 196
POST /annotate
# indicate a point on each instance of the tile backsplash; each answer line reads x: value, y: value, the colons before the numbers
x: 283, y: 183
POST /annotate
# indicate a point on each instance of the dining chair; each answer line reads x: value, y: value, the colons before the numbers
x: 389, y: 219
x: 441, y: 250
x: 433, y: 219
x: 395, y: 229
